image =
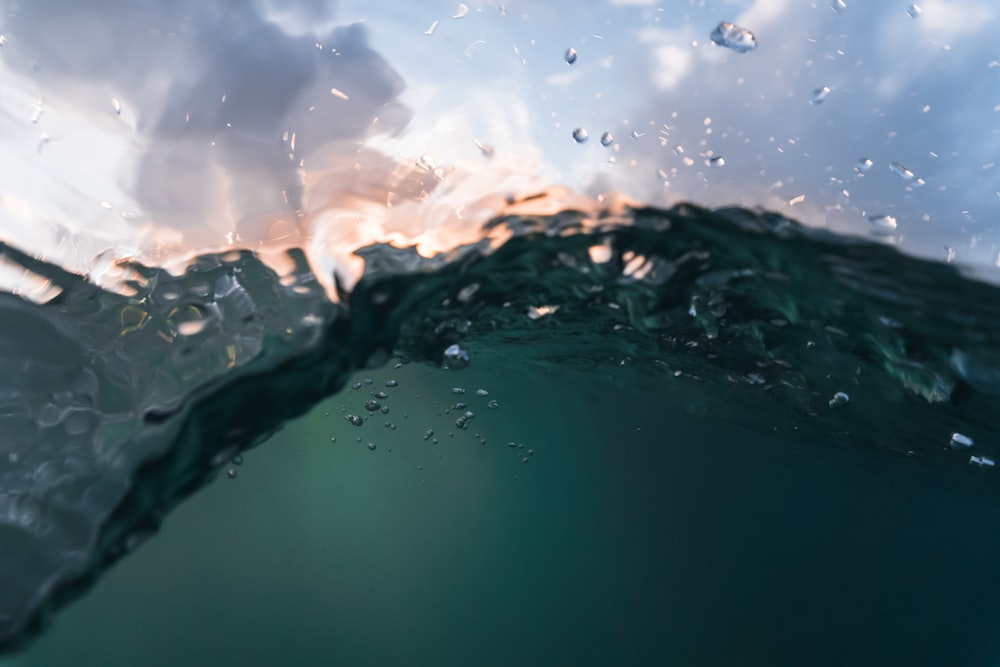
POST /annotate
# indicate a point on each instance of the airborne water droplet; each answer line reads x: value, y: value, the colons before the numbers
x: 901, y: 171
x: 883, y: 223
x: 734, y: 37
x: 580, y: 135
x: 819, y: 95
x: 570, y: 56
x: 607, y: 139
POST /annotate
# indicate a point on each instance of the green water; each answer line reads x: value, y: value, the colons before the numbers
x: 642, y: 532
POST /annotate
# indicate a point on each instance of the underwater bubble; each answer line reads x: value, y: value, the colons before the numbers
x: 839, y: 399
x: 959, y: 441
x: 607, y: 139
x: 455, y: 357
x: 580, y: 135
x: 570, y: 56
x: 734, y: 37
x: 819, y: 95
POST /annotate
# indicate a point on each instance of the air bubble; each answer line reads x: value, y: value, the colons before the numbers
x: 959, y: 441
x: 455, y: 357
x: 839, y: 399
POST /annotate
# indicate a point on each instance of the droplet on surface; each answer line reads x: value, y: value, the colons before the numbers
x: 959, y: 441
x: 371, y: 405
x: 231, y: 473
x: 371, y: 446
x: 863, y: 165
x: 570, y: 56
x: 819, y: 95
x: 580, y: 135
x: 838, y: 5
x: 354, y: 420
x: 116, y: 105
x: 734, y: 37
x: 982, y: 461
x: 607, y: 139
x: 482, y: 392
x: 717, y: 162
x: 914, y: 11
x: 391, y: 383
x: 461, y: 11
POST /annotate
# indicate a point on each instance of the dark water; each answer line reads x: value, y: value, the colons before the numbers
x: 686, y: 492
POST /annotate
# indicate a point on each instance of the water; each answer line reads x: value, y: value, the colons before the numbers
x: 329, y: 336
x: 678, y: 442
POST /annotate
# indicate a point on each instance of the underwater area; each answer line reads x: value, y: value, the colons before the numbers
x: 655, y: 334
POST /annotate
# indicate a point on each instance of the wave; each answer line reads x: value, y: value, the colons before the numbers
x: 116, y: 406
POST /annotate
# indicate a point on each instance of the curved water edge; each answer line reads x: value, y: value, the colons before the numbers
x: 117, y: 406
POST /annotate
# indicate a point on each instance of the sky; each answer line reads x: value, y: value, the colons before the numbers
x: 154, y: 130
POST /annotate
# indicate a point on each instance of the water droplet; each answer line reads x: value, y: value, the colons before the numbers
x: 914, y: 11
x: 354, y: 420
x: 333, y: 438
x: 885, y: 223
x: 461, y: 11
x: 482, y: 392
x: 231, y: 473
x: 734, y: 37
x: 838, y: 5
x: 430, y: 30
x: 356, y: 385
x: 959, y: 441
x: 238, y: 460
x: 570, y: 56
x: 839, y: 399
x: 717, y: 162
x: 371, y: 405
x: 391, y: 383
x: 819, y: 95
x: 636, y: 134
x: 428, y: 434
x: 371, y: 446
x: 580, y: 135
x: 607, y: 139
x: 457, y: 390
x: 116, y: 105
x: 901, y: 171
x: 493, y: 405
x: 863, y: 165
x: 455, y: 357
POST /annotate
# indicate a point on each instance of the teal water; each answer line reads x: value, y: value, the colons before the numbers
x: 694, y: 493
